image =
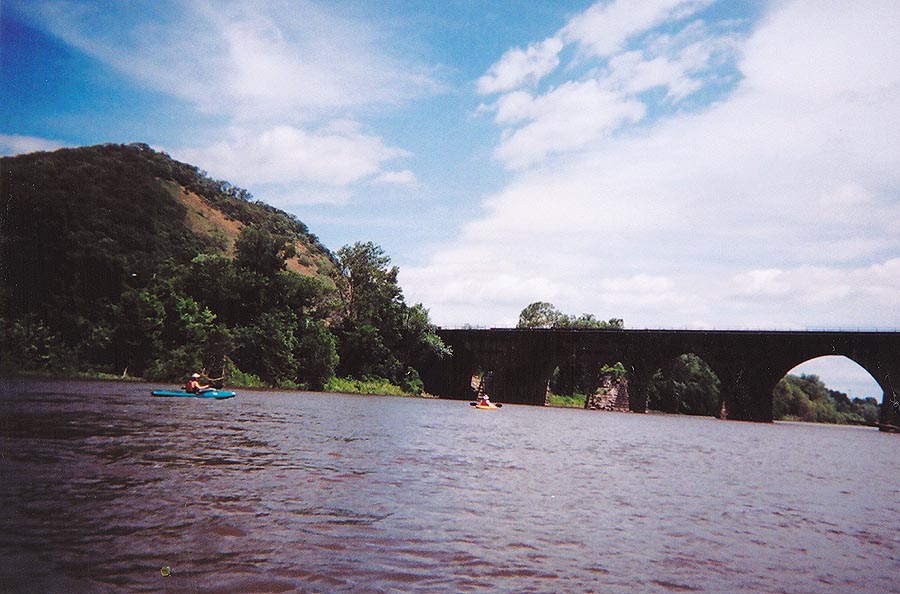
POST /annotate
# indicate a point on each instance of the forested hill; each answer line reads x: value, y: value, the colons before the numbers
x: 117, y: 257
x: 133, y: 202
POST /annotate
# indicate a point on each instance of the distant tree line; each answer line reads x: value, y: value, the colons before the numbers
x: 806, y: 398
x: 246, y: 317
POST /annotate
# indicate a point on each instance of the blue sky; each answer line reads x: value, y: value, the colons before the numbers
x: 675, y: 163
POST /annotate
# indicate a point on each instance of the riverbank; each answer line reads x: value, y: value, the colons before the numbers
x: 334, y: 386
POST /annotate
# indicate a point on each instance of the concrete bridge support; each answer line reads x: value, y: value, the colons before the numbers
x: 747, y: 392
x: 888, y: 377
x: 639, y: 378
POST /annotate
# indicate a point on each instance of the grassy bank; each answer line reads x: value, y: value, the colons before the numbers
x: 377, y: 387
x: 575, y: 401
x: 373, y: 387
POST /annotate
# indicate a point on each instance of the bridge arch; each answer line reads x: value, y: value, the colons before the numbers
x: 833, y: 372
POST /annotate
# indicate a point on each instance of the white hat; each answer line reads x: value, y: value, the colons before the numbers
x: 196, y: 375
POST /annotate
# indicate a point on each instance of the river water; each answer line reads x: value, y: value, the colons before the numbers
x: 102, y: 487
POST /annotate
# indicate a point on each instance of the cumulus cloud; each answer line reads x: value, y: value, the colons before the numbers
x: 14, y: 144
x: 566, y: 118
x: 771, y: 204
x: 579, y: 113
x: 517, y: 66
x: 266, y: 69
x: 606, y: 27
x: 335, y: 156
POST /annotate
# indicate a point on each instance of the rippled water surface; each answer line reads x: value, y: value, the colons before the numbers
x: 102, y: 486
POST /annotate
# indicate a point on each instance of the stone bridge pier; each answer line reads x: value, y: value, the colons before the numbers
x: 748, y: 364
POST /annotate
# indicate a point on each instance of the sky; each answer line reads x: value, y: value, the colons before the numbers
x: 674, y: 163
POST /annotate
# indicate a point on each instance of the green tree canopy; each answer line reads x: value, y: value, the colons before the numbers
x: 541, y: 314
x: 685, y: 385
x: 806, y: 398
x: 378, y: 335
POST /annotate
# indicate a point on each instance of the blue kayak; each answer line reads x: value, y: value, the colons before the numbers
x: 217, y: 394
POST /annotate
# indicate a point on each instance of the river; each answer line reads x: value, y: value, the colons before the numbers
x: 106, y: 489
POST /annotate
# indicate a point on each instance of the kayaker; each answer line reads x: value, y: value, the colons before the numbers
x: 484, y: 400
x: 194, y: 384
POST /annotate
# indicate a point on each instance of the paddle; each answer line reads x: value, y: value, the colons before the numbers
x: 214, y: 382
x: 497, y: 404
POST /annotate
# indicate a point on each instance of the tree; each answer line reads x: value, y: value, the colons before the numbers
x: 686, y: 385
x: 868, y: 409
x: 367, y: 283
x: 137, y: 338
x: 378, y: 335
x: 317, y: 354
x: 590, y: 321
x: 259, y: 251
x: 103, y: 267
x: 539, y: 314
x: 268, y: 347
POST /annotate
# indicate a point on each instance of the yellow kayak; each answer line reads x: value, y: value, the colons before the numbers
x: 491, y: 406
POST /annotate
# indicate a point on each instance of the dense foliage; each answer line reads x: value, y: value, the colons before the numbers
x: 685, y: 385
x: 541, y: 314
x: 102, y: 270
x: 378, y: 334
x: 806, y: 398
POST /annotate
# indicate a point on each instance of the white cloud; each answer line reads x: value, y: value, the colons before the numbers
x: 337, y: 155
x: 291, y: 196
x: 399, y: 178
x: 14, y: 144
x: 563, y: 119
x: 606, y: 27
x: 267, y: 69
x: 772, y: 206
x: 579, y: 113
x: 676, y: 63
x: 832, y: 288
x: 255, y: 60
x: 834, y: 50
x: 765, y: 282
x: 517, y: 67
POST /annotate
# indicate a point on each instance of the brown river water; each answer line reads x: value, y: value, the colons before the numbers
x: 106, y: 489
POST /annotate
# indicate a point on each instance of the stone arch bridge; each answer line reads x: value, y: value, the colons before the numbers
x: 748, y: 363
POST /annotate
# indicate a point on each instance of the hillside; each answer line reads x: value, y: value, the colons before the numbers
x: 119, y: 259
x: 76, y: 221
x: 84, y: 230
x: 135, y: 201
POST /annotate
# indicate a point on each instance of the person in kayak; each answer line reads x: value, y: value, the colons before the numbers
x: 194, y: 385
